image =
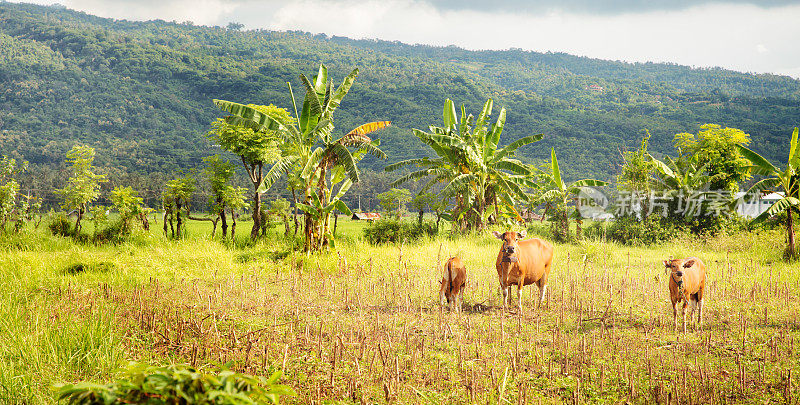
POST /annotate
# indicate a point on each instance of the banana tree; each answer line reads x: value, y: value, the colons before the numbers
x: 553, y: 189
x: 681, y: 181
x: 309, y: 150
x: 788, y: 180
x: 475, y: 171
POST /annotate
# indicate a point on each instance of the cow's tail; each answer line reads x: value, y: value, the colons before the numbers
x: 449, y: 270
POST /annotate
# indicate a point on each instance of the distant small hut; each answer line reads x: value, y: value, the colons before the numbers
x: 529, y: 216
x: 366, y: 216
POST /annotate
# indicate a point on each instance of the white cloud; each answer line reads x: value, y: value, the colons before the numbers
x: 736, y: 36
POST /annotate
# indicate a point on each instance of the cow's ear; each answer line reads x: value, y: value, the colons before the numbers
x: 521, y: 234
x: 666, y: 263
x: 688, y: 263
x: 499, y: 235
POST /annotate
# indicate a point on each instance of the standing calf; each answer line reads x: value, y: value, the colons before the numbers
x: 453, y: 279
x: 686, y: 285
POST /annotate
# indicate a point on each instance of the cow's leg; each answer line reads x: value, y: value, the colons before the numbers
x: 542, y: 283
x: 700, y: 307
x: 683, y: 315
x: 519, y: 297
x: 692, y: 307
x: 675, y: 314
x: 504, y: 291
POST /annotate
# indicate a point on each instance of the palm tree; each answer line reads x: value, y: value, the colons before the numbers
x: 553, y: 189
x: 308, y: 148
x: 474, y: 170
x: 788, y: 180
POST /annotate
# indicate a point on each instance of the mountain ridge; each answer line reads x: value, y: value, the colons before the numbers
x: 140, y: 92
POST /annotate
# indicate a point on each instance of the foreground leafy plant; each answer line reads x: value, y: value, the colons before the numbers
x: 177, y: 384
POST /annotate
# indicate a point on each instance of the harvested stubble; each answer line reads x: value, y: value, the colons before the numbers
x: 368, y: 329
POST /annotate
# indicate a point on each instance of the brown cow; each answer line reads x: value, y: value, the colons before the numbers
x: 687, y: 282
x: 453, y: 279
x: 521, y: 263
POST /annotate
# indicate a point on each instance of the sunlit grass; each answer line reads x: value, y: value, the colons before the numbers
x: 363, y: 322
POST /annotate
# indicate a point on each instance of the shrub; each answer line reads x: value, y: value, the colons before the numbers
x: 633, y: 231
x: 177, y: 385
x: 60, y: 225
x: 392, y: 231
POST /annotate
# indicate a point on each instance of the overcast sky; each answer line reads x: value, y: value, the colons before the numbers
x: 748, y: 36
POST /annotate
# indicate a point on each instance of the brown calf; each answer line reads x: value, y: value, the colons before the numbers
x: 522, y: 263
x: 687, y: 281
x: 453, y: 279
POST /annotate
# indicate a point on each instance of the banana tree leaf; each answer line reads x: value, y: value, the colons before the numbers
x: 662, y: 167
x: 369, y: 128
x: 313, y: 211
x: 459, y: 184
x: 556, y: 171
x: 794, y: 152
x: 760, y: 166
x: 513, y: 146
x: 515, y: 167
x: 497, y: 128
x: 410, y: 162
x: 777, y: 208
x: 263, y: 121
x: 345, y: 159
x: 343, y: 189
x: 485, y: 113
x: 765, y: 184
x: 320, y: 80
x: 312, y: 96
x: 342, y: 207
x: 311, y: 165
x: 275, y: 172
x: 588, y: 183
x: 449, y: 114
x: 372, y: 149
x: 340, y: 92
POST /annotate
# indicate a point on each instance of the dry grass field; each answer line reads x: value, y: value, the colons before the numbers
x: 362, y: 324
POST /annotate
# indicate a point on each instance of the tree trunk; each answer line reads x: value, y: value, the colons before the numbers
x: 335, y: 222
x: 419, y: 218
x: 233, y: 225
x: 294, y: 216
x: 790, y: 231
x: 180, y: 221
x: 578, y: 221
x: 81, y: 208
x: 256, y: 173
x: 256, y: 215
x: 224, y: 223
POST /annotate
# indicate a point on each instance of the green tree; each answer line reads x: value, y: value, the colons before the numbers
x: 788, y: 180
x: 255, y: 146
x: 474, y: 170
x: 394, y: 201
x: 636, y: 174
x: 309, y: 148
x: 421, y: 202
x: 83, y: 186
x: 717, y: 149
x: 176, y: 198
x: 280, y: 208
x: 128, y: 204
x: 554, y: 189
x: 219, y: 173
x: 10, y: 198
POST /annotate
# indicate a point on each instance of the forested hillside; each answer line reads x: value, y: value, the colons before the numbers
x: 140, y: 93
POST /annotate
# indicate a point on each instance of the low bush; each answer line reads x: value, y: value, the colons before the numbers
x: 61, y: 225
x: 393, y: 231
x: 142, y: 384
x: 633, y: 231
